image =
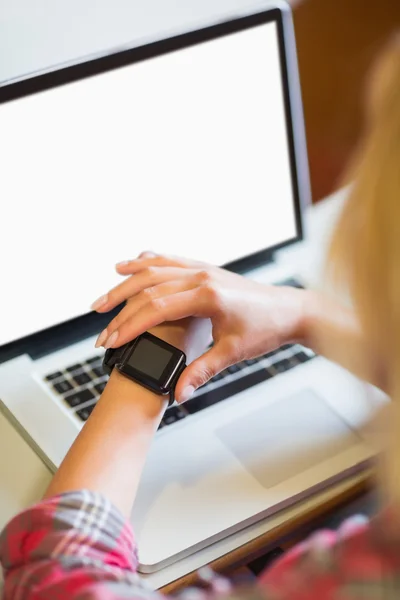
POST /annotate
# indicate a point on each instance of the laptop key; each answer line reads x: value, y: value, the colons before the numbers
x: 303, y: 356
x: 63, y: 386
x: 282, y: 365
x: 217, y: 377
x: 225, y: 391
x: 55, y: 375
x: 94, y: 359
x: 84, y: 413
x: 98, y: 371
x: 73, y: 368
x: 294, y: 362
x: 78, y: 398
x: 251, y: 361
x: 81, y: 378
x: 233, y: 368
x: 100, y: 386
x: 173, y: 414
x: 286, y: 346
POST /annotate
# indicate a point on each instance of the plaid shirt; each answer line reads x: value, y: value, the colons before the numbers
x: 78, y: 546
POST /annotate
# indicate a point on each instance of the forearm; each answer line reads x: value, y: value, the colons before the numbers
x: 333, y: 331
x: 109, y: 453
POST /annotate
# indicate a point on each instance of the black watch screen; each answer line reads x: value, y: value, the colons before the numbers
x: 148, y: 360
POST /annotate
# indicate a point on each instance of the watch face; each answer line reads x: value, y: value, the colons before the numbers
x: 149, y: 358
x: 153, y: 362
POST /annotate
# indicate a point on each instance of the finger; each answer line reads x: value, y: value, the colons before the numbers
x: 143, y: 262
x: 129, y: 267
x: 202, y: 370
x: 195, y: 302
x: 140, y: 300
x: 131, y: 286
x: 147, y: 254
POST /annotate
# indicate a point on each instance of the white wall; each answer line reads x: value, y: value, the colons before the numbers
x: 35, y: 34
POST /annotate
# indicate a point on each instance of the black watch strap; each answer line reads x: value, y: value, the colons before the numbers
x: 112, y: 357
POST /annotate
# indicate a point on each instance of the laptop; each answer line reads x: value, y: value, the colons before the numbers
x: 192, y: 145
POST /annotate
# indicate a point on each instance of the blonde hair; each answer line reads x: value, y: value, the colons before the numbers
x: 365, y: 251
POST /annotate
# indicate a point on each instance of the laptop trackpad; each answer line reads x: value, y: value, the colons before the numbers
x: 288, y: 437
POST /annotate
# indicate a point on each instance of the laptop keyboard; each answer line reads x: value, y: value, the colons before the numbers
x: 81, y: 384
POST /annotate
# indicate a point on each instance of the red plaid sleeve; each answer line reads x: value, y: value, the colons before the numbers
x: 76, y: 545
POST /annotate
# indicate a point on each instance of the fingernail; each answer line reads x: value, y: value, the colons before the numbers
x: 100, y: 302
x: 111, y: 340
x: 186, y: 394
x: 123, y: 263
x: 101, y: 339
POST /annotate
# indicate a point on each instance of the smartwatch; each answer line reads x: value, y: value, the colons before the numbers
x: 151, y: 362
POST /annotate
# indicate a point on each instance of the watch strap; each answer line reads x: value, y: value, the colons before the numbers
x: 114, y: 356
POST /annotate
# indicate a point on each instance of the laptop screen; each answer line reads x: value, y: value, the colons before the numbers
x: 185, y: 153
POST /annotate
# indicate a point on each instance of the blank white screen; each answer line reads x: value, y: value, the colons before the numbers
x: 185, y: 154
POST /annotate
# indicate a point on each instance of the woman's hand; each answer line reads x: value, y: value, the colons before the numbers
x: 248, y: 319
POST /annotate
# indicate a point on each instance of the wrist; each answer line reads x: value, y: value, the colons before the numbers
x: 310, y: 308
x: 124, y: 393
x: 297, y: 306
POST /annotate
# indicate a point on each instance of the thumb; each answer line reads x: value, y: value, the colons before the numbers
x: 200, y: 371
